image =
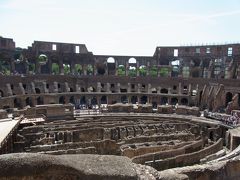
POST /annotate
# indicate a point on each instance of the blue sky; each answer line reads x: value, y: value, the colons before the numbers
x: 124, y: 27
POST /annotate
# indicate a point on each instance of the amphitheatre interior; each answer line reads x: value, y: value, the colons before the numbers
x: 66, y: 113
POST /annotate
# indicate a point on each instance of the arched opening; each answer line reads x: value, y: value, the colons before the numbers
x: 175, y: 68
x: 29, y: 102
x: 164, y: 71
x: 124, y: 99
x: 154, y: 90
x: 134, y: 99
x: 78, y: 69
x: 111, y: 66
x: 228, y: 97
x: 5, y: 67
x: 142, y: 70
x: 132, y: 71
x: 154, y: 105
x: 132, y: 61
x: 144, y: 100
x: 184, y: 101
x: 121, y: 71
x: 17, y: 103
x: 1, y: 93
x: 211, y: 136
x: 174, y: 101
x: 61, y: 100
x: 89, y: 69
x: 104, y: 100
x: 71, y: 89
x: 153, y: 71
x: 72, y: 100
x: 94, y: 101
x: 82, y: 89
x: 164, y: 91
x: 164, y: 100
x: 31, y: 68
x: 43, y: 63
x: 67, y: 68
x: 55, y: 68
x: 37, y: 91
x: 101, y: 69
x: 200, y: 97
x: 83, y: 100
x: 40, y: 101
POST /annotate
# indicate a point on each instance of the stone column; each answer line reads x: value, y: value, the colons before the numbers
x: 99, y: 87
x: 118, y: 88
x: 137, y: 69
x: 180, y: 88
x: 108, y: 88
x: 129, y: 87
x: 49, y: 66
x: 189, y: 89
x: 116, y: 67
x: 139, y: 88
x: 61, y: 68
x: 106, y: 69
x: 148, y: 68
x: 126, y: 69
x: 84, y: 69
x: 149, y: 90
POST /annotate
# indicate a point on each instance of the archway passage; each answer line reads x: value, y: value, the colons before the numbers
x: 142, y: 70
x: 144, y: 100
x: 94, y: 101
x: 1, y: 93
x: 78, y: 69
x: 229, y: 97
x: 83, y: 100
x: 37, y: 90
x: 101, y: 69
x: 17, y: 103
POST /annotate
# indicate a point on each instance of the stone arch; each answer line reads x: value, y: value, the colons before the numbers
x: 55, y: 68
x: 164, y: 91
x: 62, y: 100
x: 111, y: 65
x: 174, y: 101
x: 134, y: 99
x: 110, y: 60
x: 67, y: 68
x: 154, y: 104
x: 153, y: 71
x: 104, y: 100
x: 132, y: 60
x: 143, y: 100
x: 121, y: 70
x: 228, y: 97
x: 83, y: 100
x: 184, y: 101
x: 124, y: 99
x: 72, y: 100
x: 17, y: 103
x: 101, y: 69
x: 5, y: 67
x: 89, y: 69
x: 78, y: 69
x: 43, y: 63
x: 29, y: 102
x: 143, y: 70
x: 38, y: 91
x: 163, y: 100
x: 40, y: 100
x: 94, y: 101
